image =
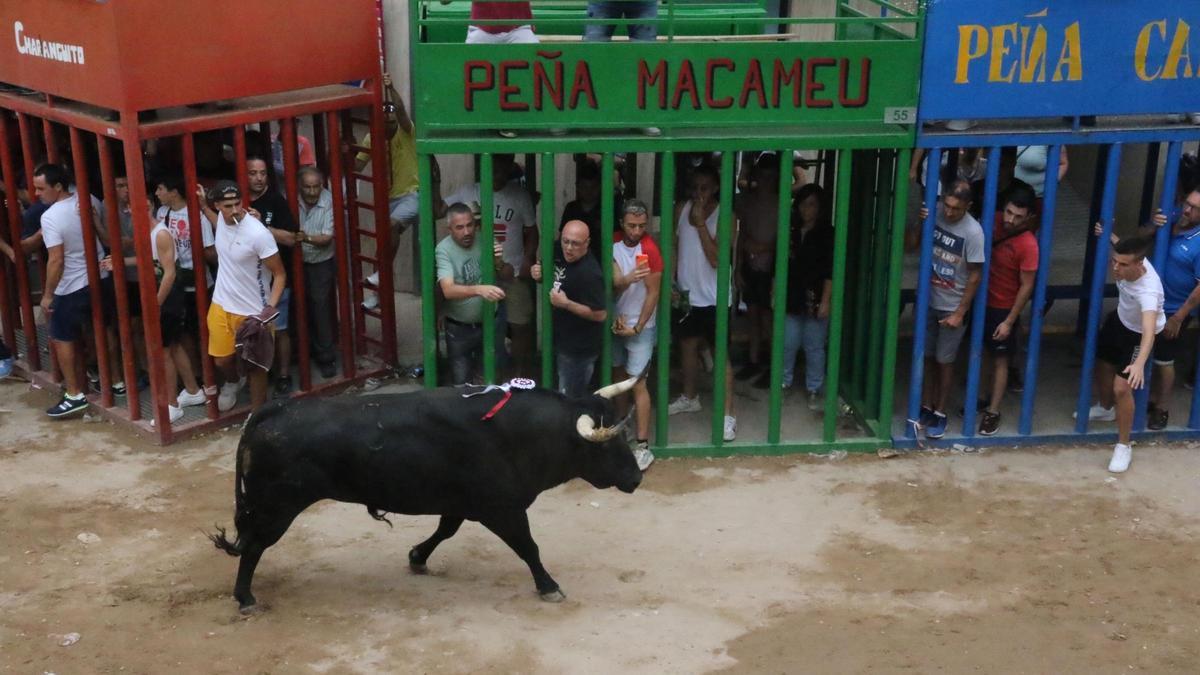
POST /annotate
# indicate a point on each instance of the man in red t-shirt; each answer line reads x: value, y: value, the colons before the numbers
x: 1010, y: 284
x: 517, y: 33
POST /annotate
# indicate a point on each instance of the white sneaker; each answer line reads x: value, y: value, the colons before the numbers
x: 730, y: 427
x: 371, y: 301
x: 186, y: 399
x: 1099, y: 413
x: 1122, y: 455
x: 1194, y: 117
x: 229, y: 395
x: 372, y: 280
x: 959, y: 125
x: 644, y: 457
x: 174, y: 414
x: 683, y: 404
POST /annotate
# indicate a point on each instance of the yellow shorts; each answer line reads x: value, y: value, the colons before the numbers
x: 222, y: 331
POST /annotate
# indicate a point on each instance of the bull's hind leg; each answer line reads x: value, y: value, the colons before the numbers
x: 420, y: 553
x: 513, y: 528
x: 265, y: 529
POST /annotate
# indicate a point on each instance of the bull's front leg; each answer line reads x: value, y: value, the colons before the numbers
x: 419, y: 554
x: 513, y: 528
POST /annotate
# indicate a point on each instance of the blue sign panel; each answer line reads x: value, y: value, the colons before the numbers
x: 1036, y: 58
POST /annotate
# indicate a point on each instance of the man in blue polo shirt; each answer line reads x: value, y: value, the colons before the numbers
x: 1181, y: 287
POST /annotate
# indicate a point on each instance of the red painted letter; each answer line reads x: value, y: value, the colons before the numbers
x: 542, y: 82
x: 582, y: 85
x: 864, y: 83
x: 686, y: 82
x: 785, y: 76
x: 649, y: 79
x: 753, y: 83
x: 813, y: 86
x: 710, y: 71
x: 507, y: 89
x: 471, y: 86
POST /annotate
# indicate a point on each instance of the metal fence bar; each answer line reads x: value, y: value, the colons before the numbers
x: 546, y: 244
x: 666, y: 247
x: 979, y: 306
x: 334, y: 160
x: 291, y: 164
x: 200, y: 272
x: 487, y: 210
x: 779, y: 311
x: 380, y: 174
x: 33, y: 354
x: 1096, y: 292
x: 429, y: 342
x: 1162, y: 243
x: 1090, y: 248
x: 724, y: 266
x: 129, y: 355
x: 607, y: 218
x: 891, y: 331
x: 1038, y: 311
x: 921, y: 305
x: 837, y: 301
x: 879, y: 280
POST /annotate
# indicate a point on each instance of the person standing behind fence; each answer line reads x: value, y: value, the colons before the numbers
x: 270, y: 207
x: 518, y: 33
x: 577, y: 298
x: 696, y: 273
x: 459, y: 258
x: 1010, y: 285
x: 957, y: 270
x: 67, y: 297
x: 757, y: 210
x: 810, y: 287
x: 637, y: 282
x: 638, y: 32
x: 1126, y: 341
x: 320, y: 268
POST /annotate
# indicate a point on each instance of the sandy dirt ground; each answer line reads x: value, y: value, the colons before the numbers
x: 1012, y: 561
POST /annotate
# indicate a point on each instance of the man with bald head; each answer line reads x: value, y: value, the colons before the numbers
x: 577, y: 295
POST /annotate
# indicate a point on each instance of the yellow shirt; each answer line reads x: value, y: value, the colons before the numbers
x: 402, y: 152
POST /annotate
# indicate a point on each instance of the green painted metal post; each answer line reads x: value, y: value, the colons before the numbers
x: 606, y: 268
x: 833, y: 367
x: 487, y: 212
x: 546, y: 255
x: 881, y: 244
x: 724, y: 264
x: 887, y: 388
x: 779, y: 311
x: 863, y: 191
x: 429, y: 346
x: 666, y: 247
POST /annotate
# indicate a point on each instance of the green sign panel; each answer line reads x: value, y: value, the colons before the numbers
x: 681, y: 84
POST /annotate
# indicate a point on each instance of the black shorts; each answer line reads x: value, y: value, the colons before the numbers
x: 699, y: 322
x: 108, y: 300
x: 993, y: 318
x: 191, y: 317
x: 171, y: 318
x: 1117, y: 344
x: 133, y: 297
x: 757, y: 289
x: 69, y: 313
x: 1166, y: 350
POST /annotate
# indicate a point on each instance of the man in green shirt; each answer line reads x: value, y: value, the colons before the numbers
x: 459, y: 274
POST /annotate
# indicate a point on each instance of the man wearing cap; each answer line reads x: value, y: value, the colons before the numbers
x: 250, y: 282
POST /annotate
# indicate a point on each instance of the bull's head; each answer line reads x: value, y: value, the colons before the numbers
x: 610, y: 461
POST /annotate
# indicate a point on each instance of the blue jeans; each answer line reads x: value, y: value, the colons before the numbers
x: 575, y: 374
x: 618, y: 10
x: 808, y: 332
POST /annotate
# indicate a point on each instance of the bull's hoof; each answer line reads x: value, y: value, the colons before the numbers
x: 251, y: 609
x: 555, y: 595
x: 415, y: 564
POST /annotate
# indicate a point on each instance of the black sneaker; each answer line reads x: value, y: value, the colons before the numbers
x: 989, y: 423
x: 283, y: 387
x: 328, y: 370
x: 1156, y: 418
x: 118, y: 389
x: 68, y: 406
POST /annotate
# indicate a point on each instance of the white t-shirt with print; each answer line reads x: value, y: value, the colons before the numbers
x: 513, y: 214
x: 180, y: 227
x: 61, y: 226
x: 693, y: 273
x: 1144, y: 294
x: 243, y: 282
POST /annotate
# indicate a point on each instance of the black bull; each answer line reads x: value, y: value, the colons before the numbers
x: 423, y: 453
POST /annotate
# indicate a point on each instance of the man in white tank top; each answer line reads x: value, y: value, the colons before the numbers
x: 696, y: 274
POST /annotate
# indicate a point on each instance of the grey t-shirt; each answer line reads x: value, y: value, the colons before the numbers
x: 954, y: 246
x: 461, y: 265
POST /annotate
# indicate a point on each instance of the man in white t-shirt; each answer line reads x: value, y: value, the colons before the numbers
x: 67, y: 296
x: 1126, y: 341
x: 250, y: 283
x: 696, y: 274
x: 514, y: 225
x: 637, y: 282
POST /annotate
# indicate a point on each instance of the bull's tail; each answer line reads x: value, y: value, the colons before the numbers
x: 241, y: 512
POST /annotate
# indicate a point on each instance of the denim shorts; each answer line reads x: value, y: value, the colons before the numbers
x: 285, y: 301
x: 632, y: 353
x: 405, y: 209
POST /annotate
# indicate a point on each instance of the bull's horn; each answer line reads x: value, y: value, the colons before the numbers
x: 586, y: 426
x: 616, y: 388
